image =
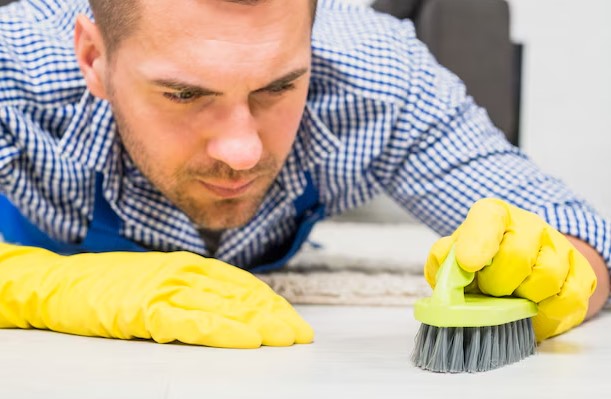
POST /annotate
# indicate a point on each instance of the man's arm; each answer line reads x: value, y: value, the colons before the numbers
x: 455, y: 159
x: 601, y: 295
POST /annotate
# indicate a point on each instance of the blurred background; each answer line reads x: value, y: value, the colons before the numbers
x: 564, y: 111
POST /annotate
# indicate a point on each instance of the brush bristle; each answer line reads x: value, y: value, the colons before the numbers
x: 473, y: 349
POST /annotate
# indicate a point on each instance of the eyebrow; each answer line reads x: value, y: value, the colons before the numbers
x: 177, y: 85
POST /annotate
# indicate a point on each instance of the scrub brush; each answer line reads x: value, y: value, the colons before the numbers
x: 467, y: 332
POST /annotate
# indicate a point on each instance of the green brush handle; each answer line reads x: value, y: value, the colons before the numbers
x: 450, y: 307
x: 451, y: 280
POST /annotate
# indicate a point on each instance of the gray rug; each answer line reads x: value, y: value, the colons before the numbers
x: 357, y: 264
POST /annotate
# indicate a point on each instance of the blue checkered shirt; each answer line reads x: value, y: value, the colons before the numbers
x: 381, y: 117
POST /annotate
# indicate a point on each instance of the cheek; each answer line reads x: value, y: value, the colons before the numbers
x: 158, y: 143
x: 279, y: 126
x: 158, y: 131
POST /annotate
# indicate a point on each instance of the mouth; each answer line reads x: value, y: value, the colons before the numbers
x: 228, y: 189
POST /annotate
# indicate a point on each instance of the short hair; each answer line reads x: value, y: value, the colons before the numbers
x: 117, y: 19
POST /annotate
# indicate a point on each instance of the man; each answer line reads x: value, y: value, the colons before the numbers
x: 227, y: 128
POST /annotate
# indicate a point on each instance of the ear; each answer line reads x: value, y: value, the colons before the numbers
x: 91, y: 55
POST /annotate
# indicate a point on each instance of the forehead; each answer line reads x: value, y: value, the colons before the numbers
x: 222, y: 30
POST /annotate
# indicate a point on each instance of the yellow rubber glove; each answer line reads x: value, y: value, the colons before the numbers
x: 164, y: 296
x: 515, y: 252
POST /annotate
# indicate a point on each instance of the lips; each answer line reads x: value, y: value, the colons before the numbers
x: 228, y: 189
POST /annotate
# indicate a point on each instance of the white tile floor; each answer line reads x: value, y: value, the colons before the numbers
x: 358, y: 353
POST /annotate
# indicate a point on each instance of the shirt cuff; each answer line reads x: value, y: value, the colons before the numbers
x: 581, y: 221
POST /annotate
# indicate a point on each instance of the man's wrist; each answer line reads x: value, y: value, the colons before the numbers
x: 601, y: 294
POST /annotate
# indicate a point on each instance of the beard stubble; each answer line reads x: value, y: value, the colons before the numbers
x: 204, y: 211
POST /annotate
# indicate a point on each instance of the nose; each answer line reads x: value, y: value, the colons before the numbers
x: 237, y: 143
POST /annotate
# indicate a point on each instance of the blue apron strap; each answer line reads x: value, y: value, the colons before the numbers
x: 308, y: 211
x: 104, y: 230
x: 17, y: 229
x: 103, y: 233
x: 308, y: 199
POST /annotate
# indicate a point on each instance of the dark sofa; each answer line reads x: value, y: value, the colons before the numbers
x: 471, y: 38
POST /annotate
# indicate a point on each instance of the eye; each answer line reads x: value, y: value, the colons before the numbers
x: 278, y: 90
x: 184, y: 96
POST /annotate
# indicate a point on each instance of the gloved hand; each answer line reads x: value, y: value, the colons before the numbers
x: 514, y: 252
x: 164, y: 296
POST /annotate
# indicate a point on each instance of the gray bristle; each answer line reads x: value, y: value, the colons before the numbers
x: 511, y: 345
x: 485, y: 353
x: 457, y: 354
x: 472, y: 345
x: 473, y: 349
x: 503, y: 359
x: 495, y: 352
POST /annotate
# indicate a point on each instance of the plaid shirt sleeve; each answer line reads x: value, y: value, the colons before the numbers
x: 408, y: 127
x: 446, y: 154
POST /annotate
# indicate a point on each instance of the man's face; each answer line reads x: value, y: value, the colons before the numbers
x: 208, y: 96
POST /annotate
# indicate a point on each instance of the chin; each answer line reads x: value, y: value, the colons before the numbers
x: 227, y: 214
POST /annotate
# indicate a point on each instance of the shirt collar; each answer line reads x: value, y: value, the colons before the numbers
x: 90, y: 139
x: 313, y: 144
